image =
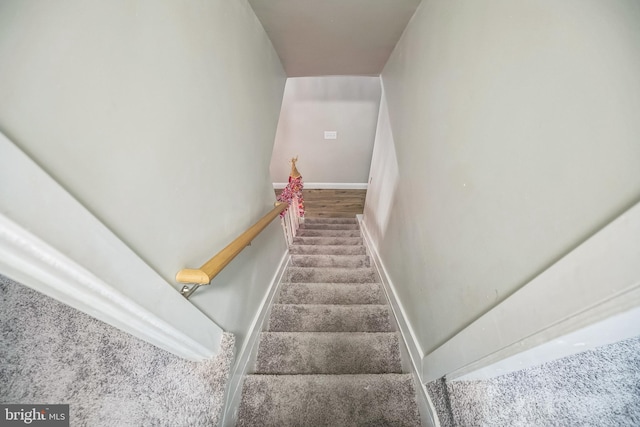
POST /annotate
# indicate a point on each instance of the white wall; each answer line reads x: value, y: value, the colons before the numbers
x: 311, y: 105
x: 159, y: 117
x: 96, y: 273
x: 516, y: 135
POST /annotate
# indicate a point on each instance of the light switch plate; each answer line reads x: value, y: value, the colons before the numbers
x: 330, y: 134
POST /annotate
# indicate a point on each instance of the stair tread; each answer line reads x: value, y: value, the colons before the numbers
x: 331, y: 293
x: 330, y: 318
x: 328, y: 353
x: 329, y: 400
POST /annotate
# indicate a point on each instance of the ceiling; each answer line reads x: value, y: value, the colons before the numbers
x: 334, y: 37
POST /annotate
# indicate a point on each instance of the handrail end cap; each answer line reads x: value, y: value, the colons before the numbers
x: 188, y: 275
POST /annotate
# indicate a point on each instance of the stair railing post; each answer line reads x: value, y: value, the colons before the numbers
x: 295, y: 215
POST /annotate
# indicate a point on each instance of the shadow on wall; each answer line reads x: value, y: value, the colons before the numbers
x: 51, y: 353
x: 383, y: 178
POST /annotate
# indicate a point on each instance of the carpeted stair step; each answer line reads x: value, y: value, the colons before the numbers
x: 328, y: 233
x: 331, y: 275
x: 331, y: 293
x: 328, y: 353
x: 329, y: 318
x: 321, y: 226
x: 328, y: 400
x: 330, y: 221
x: 327, y: 240
x: 327, y: 250
x: 333, y: 261
x: 330, y: 356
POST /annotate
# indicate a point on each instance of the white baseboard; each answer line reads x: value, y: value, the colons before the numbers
x: 327, y: 185
x: 428, y: 413
x: 30, y: 261
x: 247, y: 355
x: 614, y: 329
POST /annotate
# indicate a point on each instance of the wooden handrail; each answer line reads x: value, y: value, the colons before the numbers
x: 211, y: 268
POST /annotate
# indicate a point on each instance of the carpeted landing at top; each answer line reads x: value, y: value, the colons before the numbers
x: 330, y: 354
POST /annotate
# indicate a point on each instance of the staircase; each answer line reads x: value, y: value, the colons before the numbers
x: 330, y: 355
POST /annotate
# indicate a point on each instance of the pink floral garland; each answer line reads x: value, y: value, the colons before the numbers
x: 293, y: 189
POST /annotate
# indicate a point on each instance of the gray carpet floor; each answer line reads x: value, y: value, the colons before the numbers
x: 330, y: 355
x: 51, y: 353
x: 598, y: 387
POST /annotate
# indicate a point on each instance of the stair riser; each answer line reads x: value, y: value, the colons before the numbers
x: 327, y: 250
x: 330, y: 293
x: 331, y: 261
x: 329, y: 227
x: 329, y: 318
x: 327, y: 240
x: 330, y: 221
x: 331, y: 275
x: 328, y: 233
x: 297, y: 353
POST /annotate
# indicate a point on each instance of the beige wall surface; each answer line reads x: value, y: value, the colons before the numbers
x: 160, y: 118
x: 516, y: 131
x: 312, y: 105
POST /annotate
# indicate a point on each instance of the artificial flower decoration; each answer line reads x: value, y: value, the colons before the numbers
x: 293, y: 189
